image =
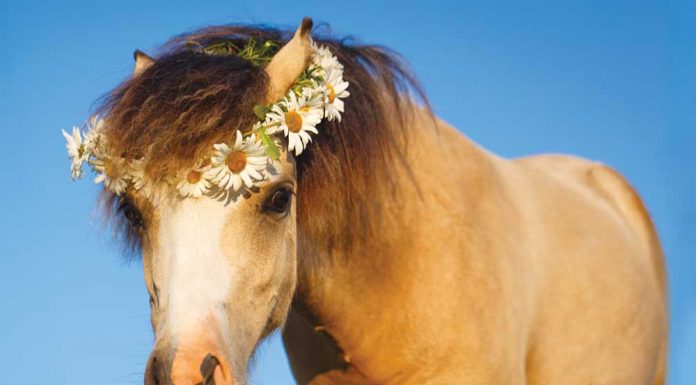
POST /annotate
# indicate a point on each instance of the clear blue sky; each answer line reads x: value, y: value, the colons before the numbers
x: 611, y: 82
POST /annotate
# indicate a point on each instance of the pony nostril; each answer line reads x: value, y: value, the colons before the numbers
x: 154, y: 373
x: 210, y: 362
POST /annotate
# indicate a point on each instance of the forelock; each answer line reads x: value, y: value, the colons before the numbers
x: 174, y: 111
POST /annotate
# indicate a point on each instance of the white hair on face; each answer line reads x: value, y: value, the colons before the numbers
x: 200, y: 275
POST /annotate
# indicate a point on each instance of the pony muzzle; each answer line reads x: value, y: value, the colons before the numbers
x: 196, y: 362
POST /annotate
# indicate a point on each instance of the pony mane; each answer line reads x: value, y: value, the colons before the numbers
x: 174, y: 111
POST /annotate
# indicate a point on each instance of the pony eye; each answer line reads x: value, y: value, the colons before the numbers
x: 132, y: 214
x: 279, y: 201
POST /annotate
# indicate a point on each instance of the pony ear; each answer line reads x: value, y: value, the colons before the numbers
x: 289, y: 62
x: 142, y: 62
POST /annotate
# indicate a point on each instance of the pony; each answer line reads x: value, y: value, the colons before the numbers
x: 394, y: 250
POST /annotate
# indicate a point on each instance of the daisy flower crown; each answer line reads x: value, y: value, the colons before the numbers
x: 243, y: 162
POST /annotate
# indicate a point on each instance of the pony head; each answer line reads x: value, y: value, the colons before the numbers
x: 221, y: 268
x: 204, y: 179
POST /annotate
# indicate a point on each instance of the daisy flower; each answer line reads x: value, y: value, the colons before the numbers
x: 77, y: 150
x: 313, y: 98
x: 336, y: 89
x: 241, y: 164
x: 136, y: 173
x: 93, y: 137
x: 110, y: 172
x: 296, y: 118
x: 324, y: 58
x: 196, y: 183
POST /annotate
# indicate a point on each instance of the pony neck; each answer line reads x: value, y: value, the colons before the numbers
x: 345, y: 292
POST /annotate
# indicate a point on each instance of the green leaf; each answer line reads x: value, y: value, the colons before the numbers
x: 271, y: 148
x: 253, y: 51
x: 261, y: 110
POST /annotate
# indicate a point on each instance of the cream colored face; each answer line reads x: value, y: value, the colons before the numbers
x: 221, y: 276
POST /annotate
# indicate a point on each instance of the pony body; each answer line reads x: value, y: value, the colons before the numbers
x: 541, y: 270
x: 413, y: 255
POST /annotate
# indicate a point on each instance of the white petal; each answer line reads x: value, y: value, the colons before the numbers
x: 245, y: 177
x: 254, y: 174
x: 224, y: 180
x: 238, y: 141
x: 338, y: 103
x: 305, y: 137
x: 293, y: 141
x: 236, y: 182
x: 311, y: 129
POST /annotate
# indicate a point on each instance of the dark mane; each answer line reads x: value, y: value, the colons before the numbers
x: 175, y: 110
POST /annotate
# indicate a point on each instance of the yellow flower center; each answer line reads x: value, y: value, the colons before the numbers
x: 332, y: 92
x: 193, y: 177
x: 293, y: 120
x: 236, y: 161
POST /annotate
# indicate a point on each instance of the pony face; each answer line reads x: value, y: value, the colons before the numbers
x: 221, y: 275
x: 220, y: 269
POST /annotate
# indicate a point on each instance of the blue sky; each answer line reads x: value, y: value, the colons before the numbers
x: 611, y: 82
